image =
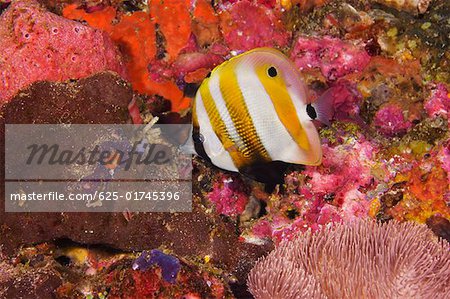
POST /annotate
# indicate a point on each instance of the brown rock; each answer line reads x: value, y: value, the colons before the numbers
x: 28, y: 283
x: 440, y: 226
x: 101, y: 98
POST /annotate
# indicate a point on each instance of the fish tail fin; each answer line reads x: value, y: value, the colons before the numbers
x: 188, y: 147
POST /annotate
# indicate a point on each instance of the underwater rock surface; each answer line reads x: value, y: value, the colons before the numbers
x: 100, y: 98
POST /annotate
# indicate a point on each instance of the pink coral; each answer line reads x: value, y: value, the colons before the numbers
x: 345, y: 98
x: 246, y: 25
x: 268, y: 3
x: 390, y: 121
x: 229, y: 196
x: 328, y: 214
x: 319, y: 214
x: 190, y: 62
x: 184, y: 64
x: 362, y: 259
x: 335, y: 58
x: 344, y: 168
x: 262, y: 229
x: 439, y: 101
x: 355, y: 205
x: 38, y: 45
x: 444, y: 157
x: 329, y: 193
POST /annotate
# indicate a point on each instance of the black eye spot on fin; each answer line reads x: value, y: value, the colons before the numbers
x: 198, y: 144
x: 272, y: 72
x: 198, y: 138
x: 311, y: 111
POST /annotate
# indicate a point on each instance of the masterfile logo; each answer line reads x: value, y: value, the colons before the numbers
x: 96, y: 168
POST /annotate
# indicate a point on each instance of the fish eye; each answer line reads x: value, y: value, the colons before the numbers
x: 311, y: 111
x: 272, y: 72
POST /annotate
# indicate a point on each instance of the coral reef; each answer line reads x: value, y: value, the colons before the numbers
x: 319, y: 195
x: 357, y: 260
x: 229, y: 196
x: 390, y: 121
x: 37, y: 45
x: 439, y: 101
x: 333, y: 57
x: 246, y: 25
x: 141, y: 40
x: 65, y: 271
x: 384, y: 157
x: 198, y: 234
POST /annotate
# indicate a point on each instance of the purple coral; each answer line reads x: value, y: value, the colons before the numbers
x: 170, y: 265
x: 334, y: 57
x: 38, y: 45
x: 359, y: 260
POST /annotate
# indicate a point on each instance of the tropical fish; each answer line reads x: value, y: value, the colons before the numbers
x: 252, y: 115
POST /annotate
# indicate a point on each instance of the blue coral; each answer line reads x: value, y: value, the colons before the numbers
x: 170, y: 265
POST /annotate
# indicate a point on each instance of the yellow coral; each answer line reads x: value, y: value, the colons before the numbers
x: 374, y: 207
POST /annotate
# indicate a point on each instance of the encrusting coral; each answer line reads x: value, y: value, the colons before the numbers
x: 362, y: 259
x: 332, y: 56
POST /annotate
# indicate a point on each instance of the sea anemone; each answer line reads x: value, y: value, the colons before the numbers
x: 362, y: 259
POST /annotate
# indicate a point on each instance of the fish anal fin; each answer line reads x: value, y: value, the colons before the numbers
x: 266, y: 172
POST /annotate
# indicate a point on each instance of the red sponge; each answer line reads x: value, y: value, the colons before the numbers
x: 38, y: 45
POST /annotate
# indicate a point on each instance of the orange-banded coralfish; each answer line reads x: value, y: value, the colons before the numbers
x: 251, y: 115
